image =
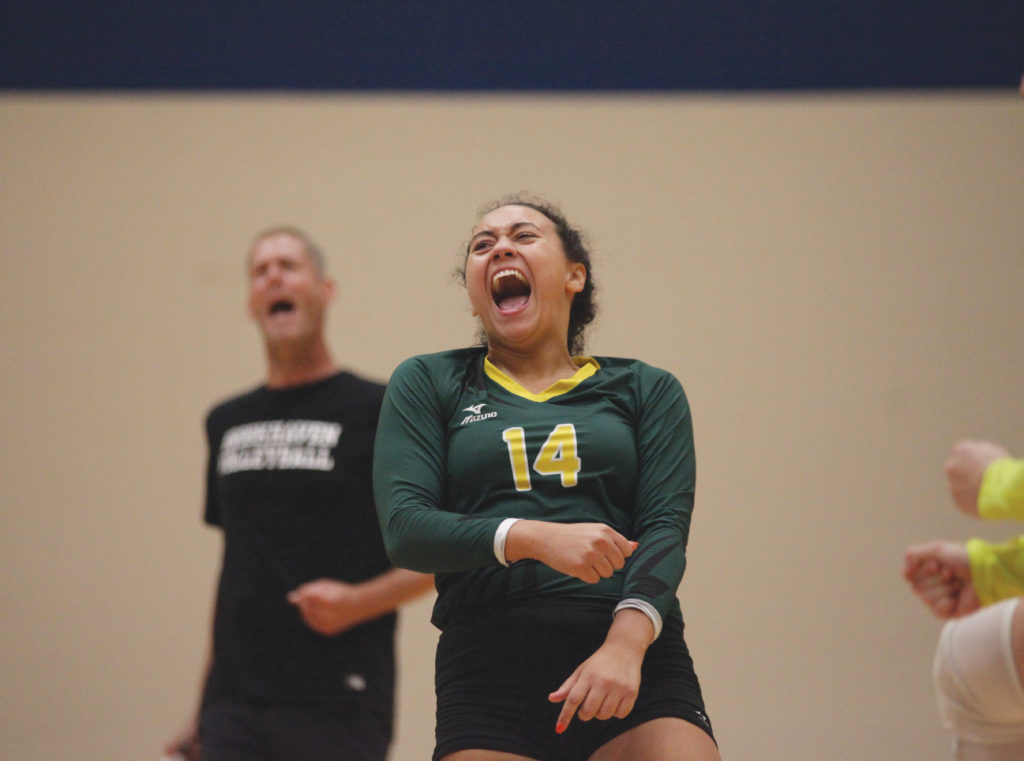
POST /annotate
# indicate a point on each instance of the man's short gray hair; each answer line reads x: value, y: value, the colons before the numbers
x: 312, y: 249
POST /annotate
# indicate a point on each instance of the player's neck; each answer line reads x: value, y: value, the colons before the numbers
x: 298, y: 364
x: 536, y: 370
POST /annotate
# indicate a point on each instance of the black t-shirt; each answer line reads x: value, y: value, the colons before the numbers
x: 289, y: 482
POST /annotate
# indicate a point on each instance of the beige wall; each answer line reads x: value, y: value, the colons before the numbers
x: 837, y: 281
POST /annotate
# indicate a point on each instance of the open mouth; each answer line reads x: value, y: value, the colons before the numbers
x: 509, y: 290
x: 282, y: 306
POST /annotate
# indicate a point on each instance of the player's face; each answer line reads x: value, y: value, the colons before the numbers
x: 287, y: 295
x: 520, y: 282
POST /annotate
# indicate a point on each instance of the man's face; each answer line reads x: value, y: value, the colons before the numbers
x: 287, y: 295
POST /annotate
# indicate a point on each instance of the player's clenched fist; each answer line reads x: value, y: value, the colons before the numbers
x: 588, y: 551
x: 940, y: 574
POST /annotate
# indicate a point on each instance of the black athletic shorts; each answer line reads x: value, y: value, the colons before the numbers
x: 232, y: 731
x: 496, y: 666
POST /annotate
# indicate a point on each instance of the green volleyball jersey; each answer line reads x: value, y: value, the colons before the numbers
x: 460, y: 447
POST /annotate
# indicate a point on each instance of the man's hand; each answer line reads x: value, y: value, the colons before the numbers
x: 328, y: 606
x: 185, y: 744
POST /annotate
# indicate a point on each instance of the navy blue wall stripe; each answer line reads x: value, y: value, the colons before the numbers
x: 511, y: 45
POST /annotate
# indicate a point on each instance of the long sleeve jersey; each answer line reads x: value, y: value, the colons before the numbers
x: 997, y: 570
x: 461, y: 447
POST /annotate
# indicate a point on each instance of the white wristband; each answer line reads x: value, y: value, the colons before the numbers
x: 644, y: 607
x: 499, y: 539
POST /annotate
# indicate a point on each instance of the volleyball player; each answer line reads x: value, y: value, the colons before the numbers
x: 551, y: 492
x: 979, y: 662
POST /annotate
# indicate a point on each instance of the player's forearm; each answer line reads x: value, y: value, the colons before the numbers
x: 434, y: 541
x: 656, y: 569
x: 997, y: 570
x: 526, y: 540
x: 1001, y: 495
x: 631, y: 630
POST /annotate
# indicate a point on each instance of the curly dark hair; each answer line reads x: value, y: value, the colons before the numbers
x: 575, y: 244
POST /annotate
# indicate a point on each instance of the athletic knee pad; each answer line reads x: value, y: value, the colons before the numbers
x: 981, y: 700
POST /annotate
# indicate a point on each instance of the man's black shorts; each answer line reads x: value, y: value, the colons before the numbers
x: 241, y: 732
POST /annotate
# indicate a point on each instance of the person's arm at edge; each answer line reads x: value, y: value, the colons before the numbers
x: 965, y: 469
x: 997, y: 570
x: 1001, y: 496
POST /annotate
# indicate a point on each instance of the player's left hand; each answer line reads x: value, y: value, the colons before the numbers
x: 607, y: 683
x: 327, y: 606
x: 603, y: 686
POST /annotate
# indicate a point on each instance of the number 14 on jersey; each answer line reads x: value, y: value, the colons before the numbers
x: 558, y: 456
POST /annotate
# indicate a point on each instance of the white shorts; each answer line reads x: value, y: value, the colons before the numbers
x: 980, y: 696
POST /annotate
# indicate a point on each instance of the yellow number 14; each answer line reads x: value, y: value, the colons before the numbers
x: 557, y: 456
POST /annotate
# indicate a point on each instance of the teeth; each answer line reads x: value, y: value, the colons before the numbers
x: 506, y: 273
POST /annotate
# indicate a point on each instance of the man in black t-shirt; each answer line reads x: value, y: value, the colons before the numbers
x: 302, y: 662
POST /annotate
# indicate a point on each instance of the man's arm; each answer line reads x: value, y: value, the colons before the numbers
x: 330, y: 607
x: 185, y: 742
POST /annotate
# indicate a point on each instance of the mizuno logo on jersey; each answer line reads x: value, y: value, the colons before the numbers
x: 477, y: 413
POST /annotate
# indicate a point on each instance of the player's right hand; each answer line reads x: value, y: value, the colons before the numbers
x: 588, y: 551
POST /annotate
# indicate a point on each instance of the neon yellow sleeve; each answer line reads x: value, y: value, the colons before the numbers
x: 1002, y: 491
x: 997, y: 570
